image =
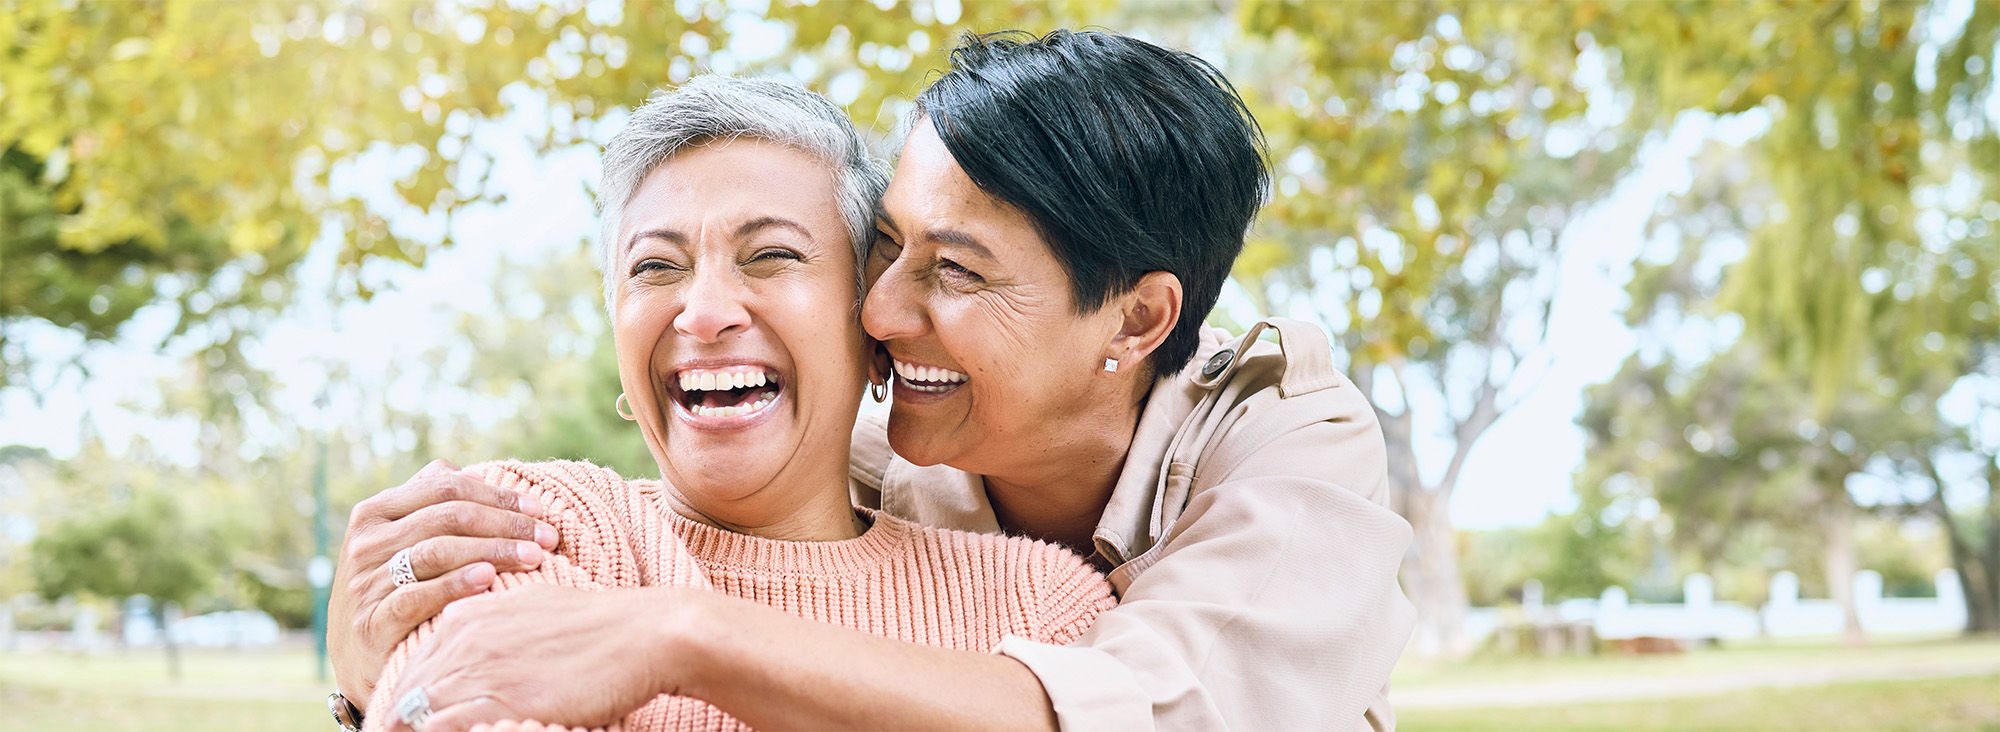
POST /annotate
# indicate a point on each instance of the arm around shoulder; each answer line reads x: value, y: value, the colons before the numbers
x: 1275, y: 606
x: 1272, y: 603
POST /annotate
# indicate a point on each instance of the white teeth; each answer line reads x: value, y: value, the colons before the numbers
x: 736, y: 411
x: 928, y: 374
x: 697, y: 380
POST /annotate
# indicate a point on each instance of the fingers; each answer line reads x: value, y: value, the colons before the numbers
x: 440, y: 554
x: 412, y: 604
x: 464, y: 716
x: 434, y: 485
x: 469, y: 519
x: 439, y: 466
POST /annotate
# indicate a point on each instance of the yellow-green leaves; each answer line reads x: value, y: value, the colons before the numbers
x: 178, y: 137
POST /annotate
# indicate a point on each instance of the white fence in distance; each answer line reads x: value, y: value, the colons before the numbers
x: 1614, y: 616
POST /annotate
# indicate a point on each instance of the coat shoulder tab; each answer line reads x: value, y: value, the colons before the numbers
x: 1305, y: 352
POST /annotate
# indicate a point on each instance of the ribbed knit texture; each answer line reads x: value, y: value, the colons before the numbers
x: 938, y: 587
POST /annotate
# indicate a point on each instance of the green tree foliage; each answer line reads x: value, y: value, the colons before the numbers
x: 1574, y: 554
x: 552, y: 357
x: 1427, y: 157
x: 1972, y: 536
x: 145, y: 547
x: 1872, y: 106
x: 20, y: 467
x: 1721, y: 429
x: 1865, y: 231
x: 181, y: 152
x: 1727, y: 449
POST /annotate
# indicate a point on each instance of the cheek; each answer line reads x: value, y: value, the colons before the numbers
x: 1000, y: 337
x: 821, y: 326
x: 636, y: 336
x: 632, y: 336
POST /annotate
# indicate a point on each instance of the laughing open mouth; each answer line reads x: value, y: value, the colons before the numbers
x: 726, y: 392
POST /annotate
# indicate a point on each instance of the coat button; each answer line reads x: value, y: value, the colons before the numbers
x: 1217, y: 363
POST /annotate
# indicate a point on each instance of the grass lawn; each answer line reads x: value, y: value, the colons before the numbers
x: 277, y: 690
x: 219, y: 691
x: 1939, y: 704
x: 1819, y: 653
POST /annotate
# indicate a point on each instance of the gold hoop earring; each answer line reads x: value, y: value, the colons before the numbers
x: 878, y: 392
x: 621, y: 404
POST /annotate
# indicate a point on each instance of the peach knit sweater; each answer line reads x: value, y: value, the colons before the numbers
x: 938, y: 587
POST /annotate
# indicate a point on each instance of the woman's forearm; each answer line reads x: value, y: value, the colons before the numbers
x: 774, y: 670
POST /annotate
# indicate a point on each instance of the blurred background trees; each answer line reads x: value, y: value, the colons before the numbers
x: 147, y: 546
x: 1428, y: 156
x: 1818, y: 352
x: 1841, y: 261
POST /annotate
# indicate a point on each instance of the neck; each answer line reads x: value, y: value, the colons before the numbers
x: 776, y: 512
x: 1060, y: 494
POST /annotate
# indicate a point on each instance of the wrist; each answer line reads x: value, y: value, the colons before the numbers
x: 356, y: 693
x: 683, y: 639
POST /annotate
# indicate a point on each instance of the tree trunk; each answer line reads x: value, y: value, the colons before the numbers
x: 1977, y: 572
x: 1982, y: 593
x: 1841, y: 562
x: 173, y: 649
x: 1984, y: 616
x: 1430, y: 576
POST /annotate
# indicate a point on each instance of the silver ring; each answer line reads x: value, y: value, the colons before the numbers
x: 414, y: 708
x: 399, y: 568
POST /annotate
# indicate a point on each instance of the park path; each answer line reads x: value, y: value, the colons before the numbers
x: 1553, y: 692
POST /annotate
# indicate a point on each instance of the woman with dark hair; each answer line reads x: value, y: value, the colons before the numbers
x: 1063, y: 216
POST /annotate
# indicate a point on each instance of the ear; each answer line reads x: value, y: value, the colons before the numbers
x: 879, y: 367
x: 1148, y: 314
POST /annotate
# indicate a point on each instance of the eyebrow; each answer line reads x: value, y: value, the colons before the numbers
x: 960, y: 239
x: 767, y: 222
x: 749, y: 227
x: 953, y: 237
x: 667, y: 234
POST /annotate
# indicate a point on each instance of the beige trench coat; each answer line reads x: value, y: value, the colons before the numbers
x: 1255, y: 555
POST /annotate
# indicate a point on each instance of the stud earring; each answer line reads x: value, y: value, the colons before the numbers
x: 1111, y: 365
x: 621, y: 405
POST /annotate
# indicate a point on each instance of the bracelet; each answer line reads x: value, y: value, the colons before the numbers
x: 344, y: 714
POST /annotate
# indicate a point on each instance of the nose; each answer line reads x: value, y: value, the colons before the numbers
x: 892, y: 309
x: 714, y: 306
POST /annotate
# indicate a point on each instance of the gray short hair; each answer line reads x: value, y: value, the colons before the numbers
x: 712, y: 108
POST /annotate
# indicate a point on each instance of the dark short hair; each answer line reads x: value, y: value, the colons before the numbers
x: 1130, y: 158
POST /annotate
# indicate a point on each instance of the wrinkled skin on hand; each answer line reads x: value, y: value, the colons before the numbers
x: 460, y: 532
x: 557, y: 655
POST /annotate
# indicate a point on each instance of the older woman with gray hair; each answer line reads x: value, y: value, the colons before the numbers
x: 1063, y: 216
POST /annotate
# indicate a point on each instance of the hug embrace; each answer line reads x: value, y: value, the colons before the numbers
x: 1084, y: 510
